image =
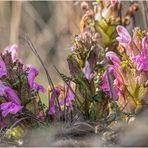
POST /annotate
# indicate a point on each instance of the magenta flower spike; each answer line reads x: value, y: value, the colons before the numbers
x: 3, y: 70
x: 32, y: 74
x: 110, y: 55
x: 13, y: 49
x: 87, y: 71
x: 52, y: 108
x: 124, y: 37
x: 9, y: 107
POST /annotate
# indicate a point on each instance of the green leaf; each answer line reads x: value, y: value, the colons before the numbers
x: 99, y: 97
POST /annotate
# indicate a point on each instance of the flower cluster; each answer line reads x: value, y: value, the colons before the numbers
x: 17, y: 84
x: 108, y: 74
x: 129, y: 69
x: 65, y: 97
x: 93, y: 89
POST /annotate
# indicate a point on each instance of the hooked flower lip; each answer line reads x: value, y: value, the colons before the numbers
x: 32, y: 74
x: 9, y: 107
x: 9, y: 92
x: 124, y: 36
x: 110, y: 55
x: 56, y: 93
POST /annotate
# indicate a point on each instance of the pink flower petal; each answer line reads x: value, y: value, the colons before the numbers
x: 32, y: 74
x: 124, y: 36
x: 13, y: 49
x: 9, y: 107
x: 110, y: 55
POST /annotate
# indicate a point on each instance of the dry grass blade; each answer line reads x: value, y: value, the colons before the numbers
x: 33, y: 49
x: 47, y: 74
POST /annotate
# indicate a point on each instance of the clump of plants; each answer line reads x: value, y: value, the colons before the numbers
x: 107, y: 83
x: 20, y: 103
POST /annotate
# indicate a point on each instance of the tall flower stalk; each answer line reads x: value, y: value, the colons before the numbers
x: 18, y: 91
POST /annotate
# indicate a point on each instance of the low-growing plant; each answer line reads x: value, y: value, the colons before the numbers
x: 107, y: 81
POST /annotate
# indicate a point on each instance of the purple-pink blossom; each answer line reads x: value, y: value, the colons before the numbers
x: 69, y: 97
x: 9, y: 107
x: 55, y: 94
x: 32, y: 74
x: 110, y: 55
x: 105, y: 84
x: 145, y: 46
x: 117, y: 83
x: 41, y: 115
x: 124, y: 37
x: 3, y: 70
x: 115, y: 71
x: 39, y: 87
x: 141, y: 60
x: 9, y: 93
x: 13, y: 49
x: 67, y: 100
x: 87, y: 71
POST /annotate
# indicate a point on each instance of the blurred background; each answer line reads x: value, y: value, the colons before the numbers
x: 50, y: 25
